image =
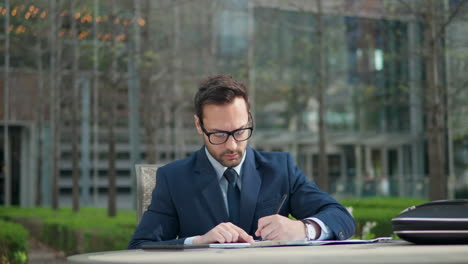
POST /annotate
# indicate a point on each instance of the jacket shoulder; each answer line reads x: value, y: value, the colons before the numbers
x: 179, y: 167
x: 268, y: 158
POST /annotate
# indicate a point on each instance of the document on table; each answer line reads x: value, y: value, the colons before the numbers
x: 349, y: 241
x: 268, y: 243
x: 303, y: 242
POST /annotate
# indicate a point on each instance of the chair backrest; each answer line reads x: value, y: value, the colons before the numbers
x: 146, y: 181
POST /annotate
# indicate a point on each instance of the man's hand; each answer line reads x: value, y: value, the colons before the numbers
x: 278, y: 227
x: 224, y: 233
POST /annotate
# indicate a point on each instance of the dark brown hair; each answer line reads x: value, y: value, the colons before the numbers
x: 219, y: 90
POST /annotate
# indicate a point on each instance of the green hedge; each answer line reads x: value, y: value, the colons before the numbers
x: 377, y: 214
x: 13, y: 243
x: 90, y: 230
x: 383, y: 202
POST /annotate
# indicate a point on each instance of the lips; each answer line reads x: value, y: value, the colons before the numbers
x: 231, y: 156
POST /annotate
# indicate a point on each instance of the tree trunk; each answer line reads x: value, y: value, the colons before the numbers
x: 133, y: 66
x: 251, y: 58
x: 58, y: 114
x: 111, y: 190
x: 54, y: 104
x: 179, y: 136
x: 322, y: 177
x: 40, y: 122
x: 435, y: 104
x: 150, y: 102
x: 95, y: 104
x: 6, y: 107
x: 74, y: 115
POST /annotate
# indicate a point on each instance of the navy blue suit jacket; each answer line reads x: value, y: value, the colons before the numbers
x: 187, y: 200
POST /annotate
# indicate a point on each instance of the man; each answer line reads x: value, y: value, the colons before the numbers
x: 228, y: 192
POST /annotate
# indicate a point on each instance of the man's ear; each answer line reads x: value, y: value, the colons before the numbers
x: 197, y: 124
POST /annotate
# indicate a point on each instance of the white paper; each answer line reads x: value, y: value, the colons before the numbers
x: 279, y: 243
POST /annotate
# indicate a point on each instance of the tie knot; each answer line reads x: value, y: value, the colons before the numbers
x: 231, y: 175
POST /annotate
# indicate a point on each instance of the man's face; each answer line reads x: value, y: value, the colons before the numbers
x: 226, y: 117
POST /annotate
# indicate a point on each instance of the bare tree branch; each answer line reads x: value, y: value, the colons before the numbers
x: 452, y: 15
x: 408, y: 7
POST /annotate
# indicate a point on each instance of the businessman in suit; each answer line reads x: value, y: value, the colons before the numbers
x: 228, y: 192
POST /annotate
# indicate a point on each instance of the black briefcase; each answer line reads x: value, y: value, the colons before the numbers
x: 437, y: 222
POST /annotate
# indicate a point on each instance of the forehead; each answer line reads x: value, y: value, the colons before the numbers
x: 226, y: 116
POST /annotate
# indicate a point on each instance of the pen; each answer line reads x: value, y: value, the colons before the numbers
x: 280, y: 205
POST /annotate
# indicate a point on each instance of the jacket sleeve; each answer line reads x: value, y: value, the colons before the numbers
x: 307, y: 200
x: 160, y: 223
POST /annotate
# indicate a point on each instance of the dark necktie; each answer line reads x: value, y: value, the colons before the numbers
x: 233, y: 195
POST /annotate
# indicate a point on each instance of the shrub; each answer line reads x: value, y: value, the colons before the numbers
x: 383, y: 202
x: 377, y: 214
x: 92, y: 230
x: 89, y: 230
x: 13, y: 243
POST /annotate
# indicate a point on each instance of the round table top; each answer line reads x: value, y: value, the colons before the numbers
x: 388, y: 252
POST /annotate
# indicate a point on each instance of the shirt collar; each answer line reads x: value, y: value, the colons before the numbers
x: 219, y: 168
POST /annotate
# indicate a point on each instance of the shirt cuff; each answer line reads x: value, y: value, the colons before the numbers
x: 189, y: 240
x: 325, y: 231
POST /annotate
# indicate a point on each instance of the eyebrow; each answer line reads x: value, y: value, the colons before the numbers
x: 219, y: 130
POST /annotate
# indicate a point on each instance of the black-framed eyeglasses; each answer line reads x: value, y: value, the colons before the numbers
x: 220, y: 137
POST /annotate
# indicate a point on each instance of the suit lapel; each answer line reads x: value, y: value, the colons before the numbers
x: 207, y: 183
x: 251, y: 183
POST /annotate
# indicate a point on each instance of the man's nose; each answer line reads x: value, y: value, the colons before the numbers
x: 231, y: 143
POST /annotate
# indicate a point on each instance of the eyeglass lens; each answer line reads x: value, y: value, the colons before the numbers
x: 239, y: 135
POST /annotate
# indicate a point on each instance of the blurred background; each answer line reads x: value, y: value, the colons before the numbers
x: 369, y: 96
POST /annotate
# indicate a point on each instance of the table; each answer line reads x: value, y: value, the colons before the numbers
x: 389, y: 252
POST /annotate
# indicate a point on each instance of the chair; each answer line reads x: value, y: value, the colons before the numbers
x: 146, y: 181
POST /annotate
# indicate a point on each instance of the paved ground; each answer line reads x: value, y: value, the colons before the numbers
x: 40, y: 253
